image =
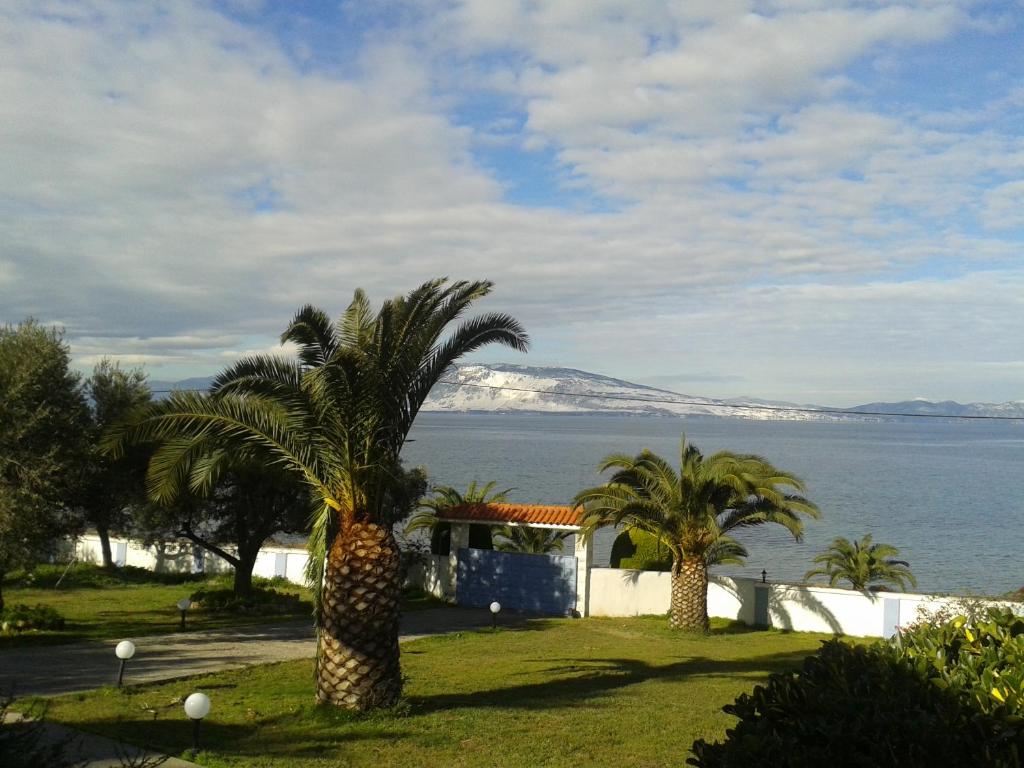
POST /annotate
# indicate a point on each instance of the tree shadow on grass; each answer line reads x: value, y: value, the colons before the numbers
x: 274, y: 736
x: 573, y: 681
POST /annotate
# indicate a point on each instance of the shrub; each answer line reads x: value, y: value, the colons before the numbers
x: 21, y: 618
x: 260, y: 601
x: 640, y: 551
x: 46, y: 576
x: 857, y: 706
x: 981, y: 661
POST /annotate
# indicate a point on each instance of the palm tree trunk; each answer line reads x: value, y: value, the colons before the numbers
x: 689, y: 608
x: 357, y: 663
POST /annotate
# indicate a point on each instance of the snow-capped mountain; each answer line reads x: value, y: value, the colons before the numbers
x: 502, y: 388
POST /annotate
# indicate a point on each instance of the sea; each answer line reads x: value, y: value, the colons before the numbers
x: 948, y: 494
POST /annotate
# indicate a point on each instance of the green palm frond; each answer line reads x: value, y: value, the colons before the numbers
x: 862, y: 564
x: 693, y: 509
x: 339, y: 415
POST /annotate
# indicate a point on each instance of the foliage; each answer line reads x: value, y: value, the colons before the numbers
x: 863, y: 565
x: 693, y: 512
x: 21, y: 618
x: 446, y: 498
x: 259, y: 600
x: 854, y: 706
x: 337, y: 417
x: 638, y: 550
x: 979, y: 661
x: 534, y: 541
x: 244, y: 504
x: 47, y: 576
x: 43, y: 443
x: 113, y: 488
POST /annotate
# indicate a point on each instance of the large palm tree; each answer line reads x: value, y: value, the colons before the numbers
x: 864, y: 565
x: 693, y: 513
x: 338, y: 416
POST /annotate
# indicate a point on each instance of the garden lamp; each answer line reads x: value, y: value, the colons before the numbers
x: 764, y: 576
x: 183, y: 605
x: 197, y: 706
x: 124, y: 651
x: 495, y: 609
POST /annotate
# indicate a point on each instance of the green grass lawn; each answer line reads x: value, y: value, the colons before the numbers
x: 592, y: 692
x: 100, y: 605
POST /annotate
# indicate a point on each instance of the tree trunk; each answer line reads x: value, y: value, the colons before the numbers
x: 2, y: 575
x: 104, y: 533
x: 243, y: 573
x: 357, y: 663
x: 689, y: 611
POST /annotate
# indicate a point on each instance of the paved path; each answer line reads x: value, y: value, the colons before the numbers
x: 57, y: 669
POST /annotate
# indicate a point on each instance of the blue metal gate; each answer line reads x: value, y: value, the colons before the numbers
x: 534, y: 583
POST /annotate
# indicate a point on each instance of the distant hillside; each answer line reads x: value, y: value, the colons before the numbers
x: 502, y: 388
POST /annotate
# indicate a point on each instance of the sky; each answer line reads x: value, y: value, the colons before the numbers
x: 821, y: 202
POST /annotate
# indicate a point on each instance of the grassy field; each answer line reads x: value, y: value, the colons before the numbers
x: 100, y: 605
x: 593, y: 692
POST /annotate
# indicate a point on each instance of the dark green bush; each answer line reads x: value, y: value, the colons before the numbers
x: 857, y: 706
x: 641, y: 551
x: 260, y: 601
x: 46, y: 576
x: 21, y: 618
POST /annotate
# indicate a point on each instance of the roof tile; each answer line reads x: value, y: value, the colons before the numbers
x: 538, y: 514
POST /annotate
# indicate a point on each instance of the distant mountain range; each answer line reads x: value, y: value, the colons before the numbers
x: 500, y: 388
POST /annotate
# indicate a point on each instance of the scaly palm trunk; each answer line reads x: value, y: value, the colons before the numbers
x: 689, y: 607
x: 358, y: 666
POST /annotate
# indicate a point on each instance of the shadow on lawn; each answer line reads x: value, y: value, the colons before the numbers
x: 292, y: 736
x: 577, y: 680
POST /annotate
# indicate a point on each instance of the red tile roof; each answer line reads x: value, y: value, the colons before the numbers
x: 538, y: 514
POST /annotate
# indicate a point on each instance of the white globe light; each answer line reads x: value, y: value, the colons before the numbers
x: 184, y: 604
x: 495, y: 606
x: 197, y: 706
x: 125, y: 650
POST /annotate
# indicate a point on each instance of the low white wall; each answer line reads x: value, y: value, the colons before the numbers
x: 798, y: 607
x: 434, y: 576
x: 624, y: 592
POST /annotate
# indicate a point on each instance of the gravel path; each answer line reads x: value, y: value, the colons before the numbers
x: 58, y: 669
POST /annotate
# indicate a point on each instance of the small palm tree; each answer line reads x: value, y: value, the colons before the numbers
x: 864, y: 565
x: 338, y: 417
x: 445, y: 498
x: 693, y: 512
x: 534, y: 541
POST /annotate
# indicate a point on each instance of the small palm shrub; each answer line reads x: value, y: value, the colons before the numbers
x: 863, y: 565
x: 22, y: 618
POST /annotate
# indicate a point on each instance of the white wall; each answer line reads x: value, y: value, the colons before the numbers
x: 803, y: 608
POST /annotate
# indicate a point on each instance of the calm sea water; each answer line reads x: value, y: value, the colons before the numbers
x: 949, y: 495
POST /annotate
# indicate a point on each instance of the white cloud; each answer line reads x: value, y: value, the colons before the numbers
x: 175, y: 185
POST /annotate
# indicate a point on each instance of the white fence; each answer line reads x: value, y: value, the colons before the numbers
x: 800, y: 607
x: 185, y: 557
x: 607, y: 591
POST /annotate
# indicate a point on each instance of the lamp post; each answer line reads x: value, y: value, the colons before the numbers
x: 764, y: 576
x: 124, y: 651
x: 183, y: 605
x: 197, y: 706
x: 495, y: 609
